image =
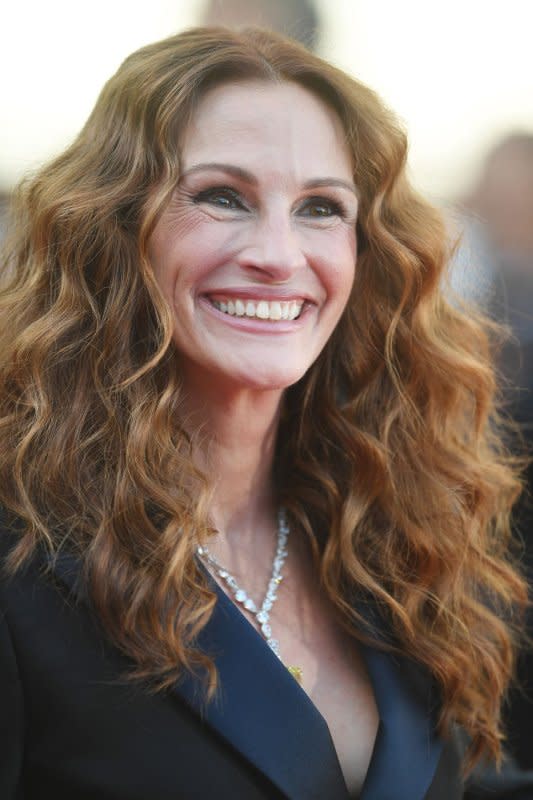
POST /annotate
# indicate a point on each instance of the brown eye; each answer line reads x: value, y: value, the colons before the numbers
x: 321, y: 208
x: 222, y: 197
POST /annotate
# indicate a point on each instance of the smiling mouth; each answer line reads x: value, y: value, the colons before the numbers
x: 271, y: 310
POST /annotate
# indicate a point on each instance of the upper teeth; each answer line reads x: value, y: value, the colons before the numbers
x: 261, y: 309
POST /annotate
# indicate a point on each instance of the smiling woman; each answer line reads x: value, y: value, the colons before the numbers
x: 255, y: 264
x: 255, y: 504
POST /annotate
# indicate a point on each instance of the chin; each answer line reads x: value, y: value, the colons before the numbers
x: 271, y: 380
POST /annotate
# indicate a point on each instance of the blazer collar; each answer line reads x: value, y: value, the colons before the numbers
x: 407, y: 748
x: 262, y: 711
x: 263, y: 714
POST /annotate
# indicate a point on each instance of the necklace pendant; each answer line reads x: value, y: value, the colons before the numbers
x: 296, y: 673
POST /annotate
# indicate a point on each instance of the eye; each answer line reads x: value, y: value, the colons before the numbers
x: 222, y: 197
x: 321, y: 208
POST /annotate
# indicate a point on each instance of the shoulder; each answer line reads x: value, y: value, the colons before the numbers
x: 11, y: 529
x: 12, y: 580
x: 507, y: 783
x: 36, y: 605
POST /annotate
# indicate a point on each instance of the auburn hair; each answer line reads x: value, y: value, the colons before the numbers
x: 388, y: 459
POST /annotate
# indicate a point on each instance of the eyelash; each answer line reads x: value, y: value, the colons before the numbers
x: 208, y: 195
x: 336, y: 209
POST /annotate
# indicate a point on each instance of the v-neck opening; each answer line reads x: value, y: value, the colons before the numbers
x: 405, y: 726
x: 300, y: 689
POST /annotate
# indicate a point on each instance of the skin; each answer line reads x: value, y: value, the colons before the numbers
x: 275, y: 220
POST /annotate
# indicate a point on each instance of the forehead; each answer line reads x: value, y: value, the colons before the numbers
x: 267, y: 125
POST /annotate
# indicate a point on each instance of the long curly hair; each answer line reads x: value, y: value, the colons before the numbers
x: 388, y: 459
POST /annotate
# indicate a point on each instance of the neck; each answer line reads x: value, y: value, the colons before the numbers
x: 240, y: 427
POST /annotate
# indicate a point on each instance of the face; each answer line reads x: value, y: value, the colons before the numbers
x: 256, y: 251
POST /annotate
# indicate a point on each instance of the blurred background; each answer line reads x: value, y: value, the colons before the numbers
x: 459, y: 74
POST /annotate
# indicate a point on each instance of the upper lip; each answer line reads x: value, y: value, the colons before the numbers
x: 255, y: 293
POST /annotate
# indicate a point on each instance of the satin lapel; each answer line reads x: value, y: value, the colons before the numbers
x: 407, y: 748
x: 263, y: 713
x: 260, y: 710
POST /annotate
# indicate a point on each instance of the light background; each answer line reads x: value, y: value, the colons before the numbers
x: 459, y: 73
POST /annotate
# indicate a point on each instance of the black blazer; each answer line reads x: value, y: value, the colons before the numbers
x: 72, y: 729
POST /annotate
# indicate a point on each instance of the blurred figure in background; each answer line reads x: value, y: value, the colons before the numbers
x: 493, y: 266
x: 504, y: 197
x: 502, y: 201
x: 296, y: 18
x: 4, y: 205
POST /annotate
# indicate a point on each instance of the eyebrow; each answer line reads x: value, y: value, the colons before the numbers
x: 248, y: 177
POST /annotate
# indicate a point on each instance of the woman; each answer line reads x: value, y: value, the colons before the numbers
x: 246, y: 445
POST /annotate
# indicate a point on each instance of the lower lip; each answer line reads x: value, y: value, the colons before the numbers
x: 253, y: 325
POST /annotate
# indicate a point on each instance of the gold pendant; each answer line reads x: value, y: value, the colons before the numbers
x: 296, y: 673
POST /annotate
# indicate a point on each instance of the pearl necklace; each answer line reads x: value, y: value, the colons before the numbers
x: 261, y: 615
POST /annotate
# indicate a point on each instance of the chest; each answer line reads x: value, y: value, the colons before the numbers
x: 335, y: 678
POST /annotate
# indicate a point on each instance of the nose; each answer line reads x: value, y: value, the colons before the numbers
x: 273, y: 248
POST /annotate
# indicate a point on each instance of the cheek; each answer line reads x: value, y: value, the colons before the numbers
x: 339, y: 270
x: 181, y: 251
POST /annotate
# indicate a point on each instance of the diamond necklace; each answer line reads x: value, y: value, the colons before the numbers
x: 261, y: 615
